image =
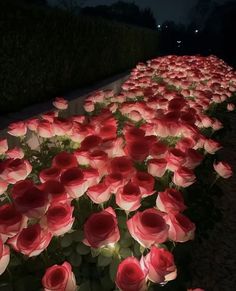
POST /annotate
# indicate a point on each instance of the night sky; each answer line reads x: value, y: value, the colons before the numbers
x: 176, y: 10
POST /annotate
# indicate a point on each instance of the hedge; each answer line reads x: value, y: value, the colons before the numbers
x: 45, y: 52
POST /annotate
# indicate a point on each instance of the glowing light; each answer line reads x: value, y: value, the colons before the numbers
x: 196, y: 31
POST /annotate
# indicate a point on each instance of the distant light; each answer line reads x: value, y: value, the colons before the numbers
x: 179, y: 41
x: 166, y: 26
x: 196, y: 31
x: 158, y: 26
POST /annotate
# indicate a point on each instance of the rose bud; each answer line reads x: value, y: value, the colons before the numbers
x: 17, y: 128
x: 49, y: 116
x: 99, y: 193
x: 211, y: 146
x: 56, y: 191
x: 101, y: 228
x: 129, y: 197
x: 15, y: 153
x: 3, y: 146
x: 170, y: 200
x: 44, y: 129
x: 74, y: 182
x: 159, y: 265
x: 60, y: 103
x: 49, y: 174
x: 89, y: 106
x: 175, y: 158
x: 138, y: 149
x: 58, y: 219
x: 184, y: 177
x: 3, y: 186
x: 157, y: 167
x: 148, y: 227
x: 230, y: 107
x: 122, y: 165
x: 145, y: 182
x: 4, y: 257
x: 130, y: 276
x: 32, y: 123
x: 31, y: 241
x: 64, y: 161
x: 11, y: 221
x: 114, y: 181
x: 181, y: 228
x: 59, y: 278
x: 223, y: 169
x: 13, y: 170
x: 91, y: 142
x: 31, y: 201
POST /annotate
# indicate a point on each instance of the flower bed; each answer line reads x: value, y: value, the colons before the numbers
x: 107, y: 199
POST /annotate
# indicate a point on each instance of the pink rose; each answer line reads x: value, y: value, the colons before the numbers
x: 58, y: 218
x: 17, y: 128
x: 184, y: 177
x: 3, y: 186
x: 158, y: 150
x: 83, y: 157
x: 31, y: 241
x: 49, y: 174
x: 91, y: 142
x: 64, y: 161
x: 148, y: 227
x: 129, y: 197
x: 15, y: 153
x: 223, y: 169
x: 99, y: 160
x: 101, y: 228
x: 130, y: 276
x: 170, y: 200
x: 138, y: 149
x: 60, y: 103
x: 59, y: 278
x: 56, y: 191
x: 157, y: 167
x: 62, y: 126
x: 99, y: 193
x: 44, y: 129
x: 146, y: 183
x: 122, y: 165
x: 211, y: 146
x: 3, y: 146
x: 114, y: 181
x: 230, y: 107
x: 175, y: 158
x: 159, y: 265
x: 32, y: 123
x: 181, y: 228
x: 4, y: 257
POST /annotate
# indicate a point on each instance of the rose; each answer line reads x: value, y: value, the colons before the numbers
x: 133, y: 133
x: 193, y: 159
x: 108, y: 132
x: 58, y: 218
x: 59, y: 278
x: 99, y: 193
x: 11, y: 221
x: 181, y: 228
x: 158, y: 150
x: 29, y: 199
x: 49, y: 174
x: 129, y: 197
x: 145, y: 182
x: 4, y: 257
x: 223, y: 169
x: 17, y: 128
x: 101, y: 228
x: 157, y: 167
x: 82, y: 157
x: 15, y: 153
x: 138, y: 149
x: 230, y: 107
x: 98, y: 160
x: 130, y: 276
x: 44, y: 129
x: 62, y: 126
x: 211, y: 146
x: 56, y: 191
x: 64, y: 161
x: 91, y: 142
x: 159, y: 265
x: 49, y: 116
x: 122, y: 165
x: 148, y: 227
x: 183, y: 177
x: 13, y: 170
x: 60, y: 103
x: 175, y: 158
x: 74, y: 182
x: 170, y: 200
x: 114, y: 181
x: 32, y: 123
x: 31, y: 241
x: 3, y: 146
x: 3, y: 186
x: 91, y: 177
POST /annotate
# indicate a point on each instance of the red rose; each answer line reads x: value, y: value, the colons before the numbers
x: 17, y: 128
x: 145, y: 182
x: 58, y: 218
x: 101, y: 229
x: 74, y: 181
x: 148, y: 227
x: 98, y: 160
x: 91, y: 142
x: 129, y: 197
x: 223, y: 169
x: 32, y: 123
x: 133, y: 133
x: 138, y: 149
x: 159, y: 265
x: 114, y: 181
x: 59, y: 278
x: 193, y: 159
x: 170, y: 200
x: 122, y: 165
x: 31, y: 241
x: 130, y: 276
x: 211, y: 146
x: 175, y: 158
x: 184, y: 177
x: 62, y: 126
x: 31, y: 201
x: 44, y: 129
x: 56, y: 191
x: 11, y: 221
x: 99, y: 193
x: 82, y: 157
x: 157, y: 167
x: 181, y: 228
x: 158, y: 150
x: 49, y: 174
x: 4, y: 257
x: 15, y: 153
x: 60, y: 103
x: 64, y: 161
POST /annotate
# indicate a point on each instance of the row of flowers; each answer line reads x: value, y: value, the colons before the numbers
x: 106, y: 188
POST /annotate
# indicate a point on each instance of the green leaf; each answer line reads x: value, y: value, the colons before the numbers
x: 107, y: 252
x: 125, y: 252
x: 67, y: 251
x: 113, y: 268
x: 66, y: 241
x: 75, y: 259
x: 103, y: 261
x: 82, y: 249
x: 77, y: 235
x: 95, y: 252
